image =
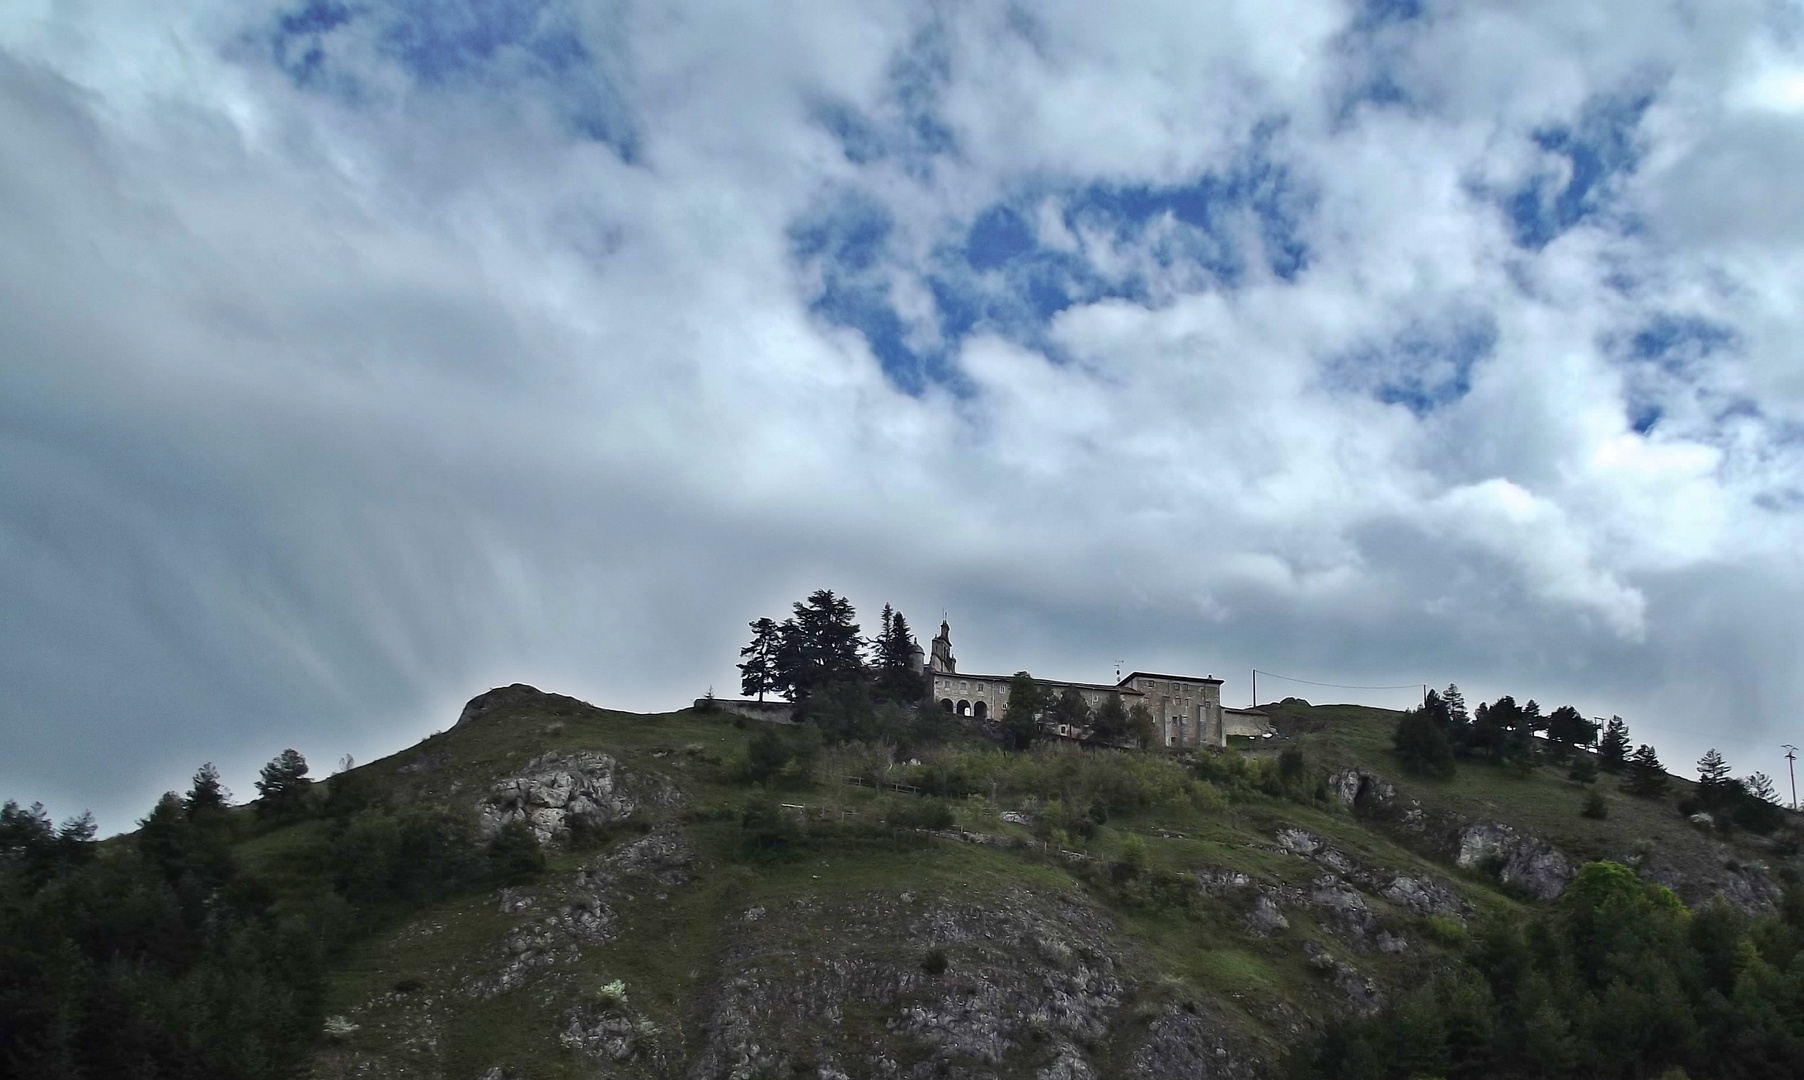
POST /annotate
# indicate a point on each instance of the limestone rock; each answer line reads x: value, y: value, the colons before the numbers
x: 1266, y: 919
x: 1525, y: 862
x: 556, y: 791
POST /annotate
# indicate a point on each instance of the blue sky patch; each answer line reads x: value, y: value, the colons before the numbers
x: 907, y: 128
x: 1424, y: 367
x: 493, y: 45
x: 1598, y: 148
x: 997, y: 274
x: 1678, y: 343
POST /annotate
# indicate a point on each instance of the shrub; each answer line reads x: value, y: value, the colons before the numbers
x: 934, y: 963
x: 1595, y: 807
x: 765, y: 829
x: 1291, y: 764
x: 514, y: 853
x: 1444, y: 931
x: 1422, y: 746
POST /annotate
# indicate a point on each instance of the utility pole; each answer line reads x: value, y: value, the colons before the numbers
x: 1255, y: 704
x: 1791, y: 754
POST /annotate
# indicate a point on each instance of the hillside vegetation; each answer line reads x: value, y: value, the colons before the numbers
x: 550, y: 889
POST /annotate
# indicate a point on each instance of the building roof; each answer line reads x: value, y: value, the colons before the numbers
x: 1049, y: 682
x: 1173, y: 678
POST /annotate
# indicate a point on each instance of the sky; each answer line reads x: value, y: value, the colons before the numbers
x: 357, y: 356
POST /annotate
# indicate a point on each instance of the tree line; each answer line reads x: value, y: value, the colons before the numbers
x: 160, y: 955
x: 1617, y: 981
x: 1430, y: 740
x: 851, y: 687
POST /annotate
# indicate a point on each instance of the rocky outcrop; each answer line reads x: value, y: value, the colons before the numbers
x: 557, y: 792
x: 1419, y: 894
x: 507, y: 697
x: 1519, y: 861
x: 584, y: 911
x: 1361, y: 993
x: 1025, y: 985
x: 1188, y: 1041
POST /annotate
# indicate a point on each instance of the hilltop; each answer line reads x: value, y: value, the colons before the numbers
x: 549, y: 889
x: 1217, y: 911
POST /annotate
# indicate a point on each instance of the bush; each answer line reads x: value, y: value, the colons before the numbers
x: 934, y: 963
x: 514, y: 854
x: 920, y: 814
x: 1292, y: 765
x: 1422, y: 746
x: 766, y: 828
x: 1595, y: 807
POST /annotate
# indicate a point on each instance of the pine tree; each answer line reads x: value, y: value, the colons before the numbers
x: 1760, y: 786
x: 1071, y: 710
x: 1422, y: 745
x: 758, y: 673
x: 1021, y: 716
x: 208, y: 793
x: 1567, y: 728
x: 1716, y: 786
x: 1647, y: 777
x: 1459, y: 721
x: 1110, y: 724
x: 1141, y: 728
x: 893, y: 660
x: 1613, y: 750
x: 816, y: 646
x: 283, y: 785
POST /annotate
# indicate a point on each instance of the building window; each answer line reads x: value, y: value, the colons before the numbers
x: 964, y: 708
x: 946, y: 704
x: 981, y: 710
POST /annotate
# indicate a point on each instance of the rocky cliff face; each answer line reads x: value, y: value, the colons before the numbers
x: 558, y: 792
x: 1030, y: 986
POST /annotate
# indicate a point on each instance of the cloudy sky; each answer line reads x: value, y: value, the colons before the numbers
x: 358, y: 356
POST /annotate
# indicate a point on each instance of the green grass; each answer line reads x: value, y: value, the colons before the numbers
x: 667, y: 951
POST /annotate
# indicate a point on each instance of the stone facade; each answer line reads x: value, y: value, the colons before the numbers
x: 1186, y: 709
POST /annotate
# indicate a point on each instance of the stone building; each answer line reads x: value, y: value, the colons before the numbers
x: 1186, y: 709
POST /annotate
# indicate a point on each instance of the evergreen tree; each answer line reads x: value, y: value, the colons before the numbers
x: 1613, y: 750
x: 1071, y: 710
x: 1141, y: 728
x: 1495, y: 729
x: 758, y: 673
x: 283, y: 786
x: 1760, y: 786
x: 818, y: 645
x: 1584, y: 768
x: 1567, y: 728
x: 1716, y: 787
x: 208, y: 794
x: 1422, y: 746
x: 1021, y: 717
x: 894, y: 660
x: 1647, y: 777
x: 1459, y: 721
x: 1110, y: 724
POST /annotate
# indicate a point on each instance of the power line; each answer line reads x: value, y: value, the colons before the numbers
x: 1338, y: 686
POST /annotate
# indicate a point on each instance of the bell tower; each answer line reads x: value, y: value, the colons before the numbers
x: 943, y: 661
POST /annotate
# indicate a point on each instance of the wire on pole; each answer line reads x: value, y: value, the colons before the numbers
x: 1335, y: 686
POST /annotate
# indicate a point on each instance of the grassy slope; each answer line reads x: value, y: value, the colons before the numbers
x: 668, y: 949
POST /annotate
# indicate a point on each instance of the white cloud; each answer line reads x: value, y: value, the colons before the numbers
x: 329, y: 405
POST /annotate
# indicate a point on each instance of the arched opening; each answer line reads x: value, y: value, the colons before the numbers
x: 946, y: 704
x: 964, y: 708
x: 981, y: 710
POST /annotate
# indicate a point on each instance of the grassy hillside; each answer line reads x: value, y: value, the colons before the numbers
x: 1097, y: 907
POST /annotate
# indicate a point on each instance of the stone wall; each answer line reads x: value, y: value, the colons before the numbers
x: 773, y: 712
